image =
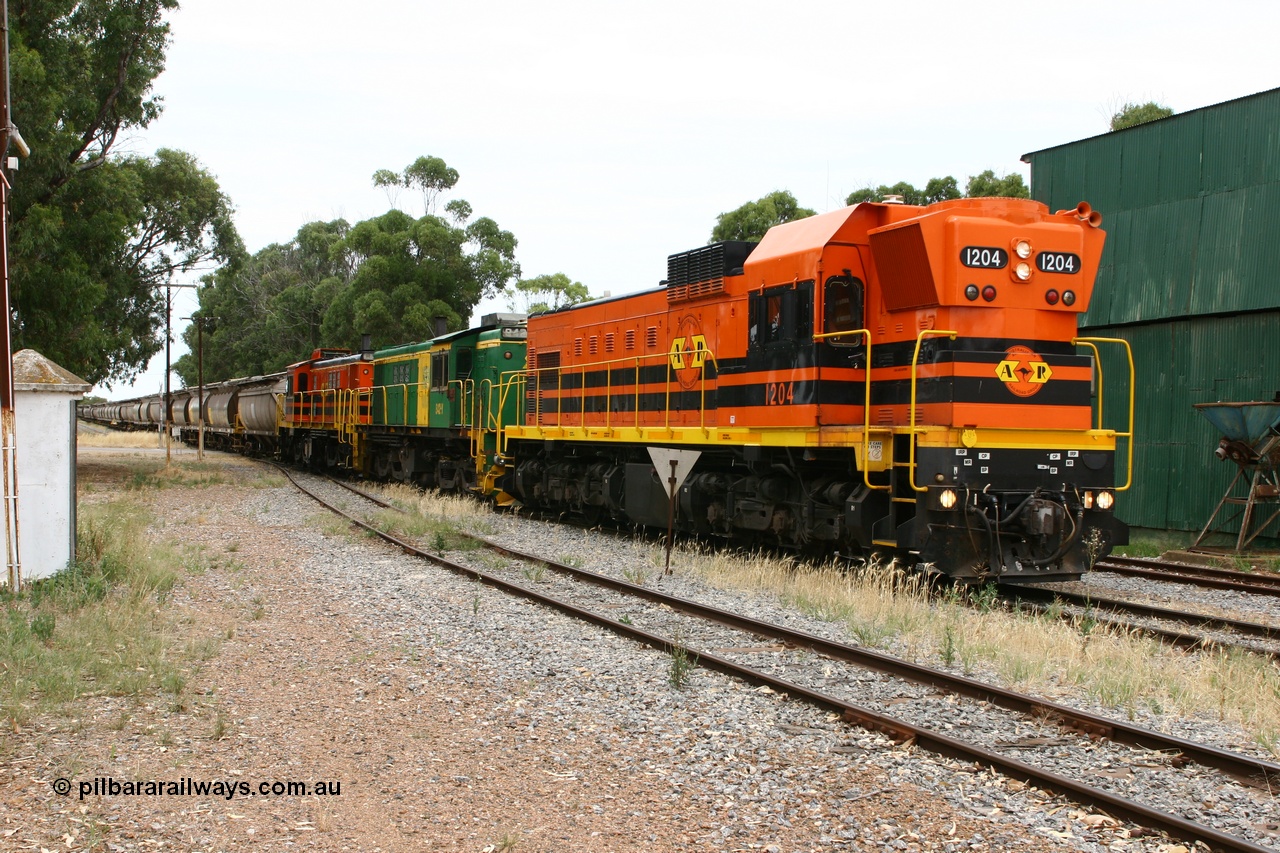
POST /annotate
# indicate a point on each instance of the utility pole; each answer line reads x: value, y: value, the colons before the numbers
x: 199, y: 321
x: 200, y: 380
x: 8, y: 423
x: 165, y: 417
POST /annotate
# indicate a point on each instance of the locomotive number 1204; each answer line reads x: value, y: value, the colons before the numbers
x: 779, y: 393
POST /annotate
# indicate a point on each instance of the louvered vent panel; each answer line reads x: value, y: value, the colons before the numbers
x: 651, y: 337
x: 631, y: 339
x: 700, y: 272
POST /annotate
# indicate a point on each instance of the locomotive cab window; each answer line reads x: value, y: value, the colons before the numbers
x: 462, y: 362
x: 842, y: 310
x: 439, y: 370
x: 781, y: 315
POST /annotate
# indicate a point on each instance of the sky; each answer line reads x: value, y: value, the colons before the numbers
x: 606, y: 136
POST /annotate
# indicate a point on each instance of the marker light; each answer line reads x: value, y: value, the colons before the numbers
x: 1088, y: 500
x: 989, y: 293
x: 1068, y: 297
x: 1051, y: 296
x: 971, y: 292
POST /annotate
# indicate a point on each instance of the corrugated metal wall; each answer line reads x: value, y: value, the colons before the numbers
x: 1190, y: 276
x: 1178, y: 480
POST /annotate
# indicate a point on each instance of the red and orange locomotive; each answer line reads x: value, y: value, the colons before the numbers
x: 883, y: 376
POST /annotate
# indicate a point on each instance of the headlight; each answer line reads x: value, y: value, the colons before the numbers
x: 1023, y: 249
x: 1022, y: 271
x: 947, y: 498
x: 1106, y: 500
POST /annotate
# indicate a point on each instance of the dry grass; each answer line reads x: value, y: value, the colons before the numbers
x: 98, y: 627
x: 115, y: 438
x: 887, y: 610
x: 437, y: 506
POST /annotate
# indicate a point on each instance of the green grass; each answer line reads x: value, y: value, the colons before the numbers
x: 440, y: 535
x: 1152, y: 543
x: 683, y: 661
x: 98, y: 627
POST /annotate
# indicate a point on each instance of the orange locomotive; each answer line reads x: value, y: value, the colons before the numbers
x: 325, y: 407
x: 973, y: 451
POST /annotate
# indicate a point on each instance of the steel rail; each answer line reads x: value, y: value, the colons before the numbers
x: 1117, y: 605
x: 1205, y: 576
x: 855, y: 714
x: 1181, y: 639
x: 1250, y: 770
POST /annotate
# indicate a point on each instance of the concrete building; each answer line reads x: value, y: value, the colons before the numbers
x: 45, y: 398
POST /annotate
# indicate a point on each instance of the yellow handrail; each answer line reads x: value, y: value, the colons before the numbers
x: 535, y: 374
x: 911, y: 421
x: 866, y: 405
x: 1129, y: 434
x: 462, y: 398
x: 511, y: 381
x: 1098, y: 361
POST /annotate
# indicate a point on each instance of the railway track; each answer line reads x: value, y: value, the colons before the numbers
x: 724, y: 639
x: 1232, y: 634
x: 1204, y: 576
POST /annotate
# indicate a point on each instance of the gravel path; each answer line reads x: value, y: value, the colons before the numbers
x: 459, y: 718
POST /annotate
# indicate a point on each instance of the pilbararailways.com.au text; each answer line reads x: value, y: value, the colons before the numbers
x: 106, y: 786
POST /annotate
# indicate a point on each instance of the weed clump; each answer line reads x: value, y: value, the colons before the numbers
x: 95, y: 626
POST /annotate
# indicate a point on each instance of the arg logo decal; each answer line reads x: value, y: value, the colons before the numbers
x: 1023, y: 371
x: 688, y: 353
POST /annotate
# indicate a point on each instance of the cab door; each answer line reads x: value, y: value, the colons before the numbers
x: 842, y: 355
x: 443, y: 410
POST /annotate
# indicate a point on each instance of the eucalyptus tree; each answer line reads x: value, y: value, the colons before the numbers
x: 753, y: 219
x: 94, y: 234
x: 1134, y: 114
x: 945, y: 189
x: 392, y: 277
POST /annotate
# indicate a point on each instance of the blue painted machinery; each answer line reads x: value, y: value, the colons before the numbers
x: 1251, y: 440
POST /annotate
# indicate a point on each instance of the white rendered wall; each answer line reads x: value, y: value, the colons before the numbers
x: 46, y: 481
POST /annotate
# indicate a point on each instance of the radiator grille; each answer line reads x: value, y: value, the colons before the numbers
x: 700, y: 272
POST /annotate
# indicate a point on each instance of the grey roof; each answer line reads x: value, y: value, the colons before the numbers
x: 33, y: 372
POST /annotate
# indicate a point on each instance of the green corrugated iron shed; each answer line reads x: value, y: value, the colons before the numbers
x: 1190, y: 277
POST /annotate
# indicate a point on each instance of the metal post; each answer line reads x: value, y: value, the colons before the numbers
x: 672, y: 481
x: 168, y: 338
x: 8, y: 421
x: 200, y: 377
